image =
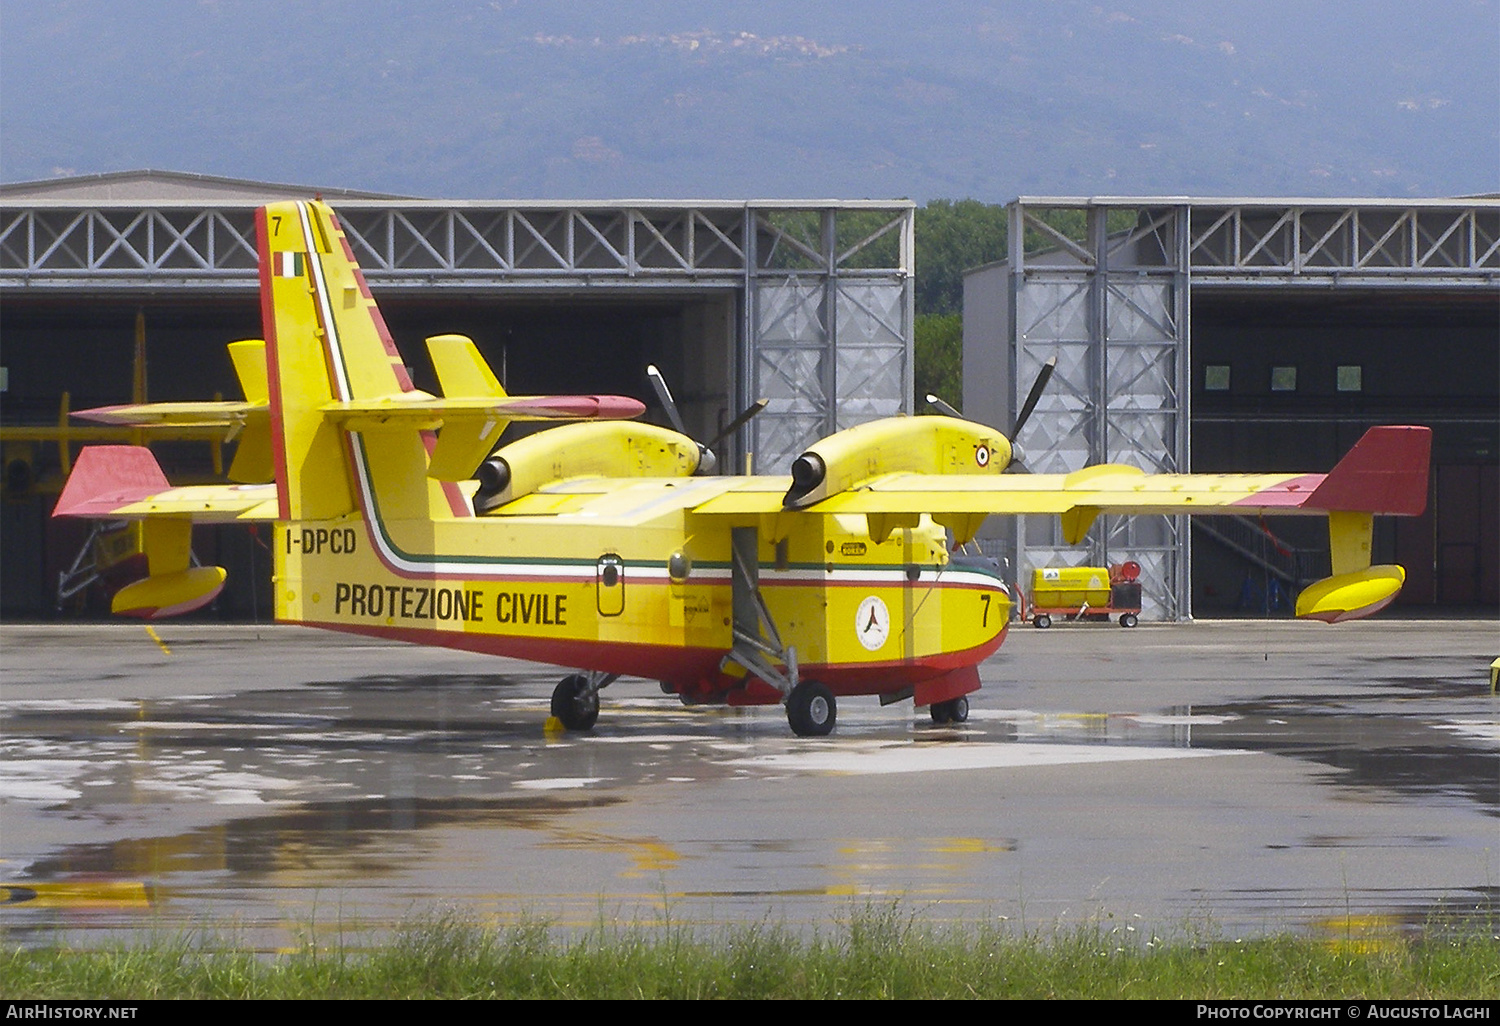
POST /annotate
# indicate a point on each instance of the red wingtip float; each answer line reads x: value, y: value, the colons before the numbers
x: 606, y: 546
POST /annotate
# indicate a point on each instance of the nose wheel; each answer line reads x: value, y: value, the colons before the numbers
x: 811, y: 710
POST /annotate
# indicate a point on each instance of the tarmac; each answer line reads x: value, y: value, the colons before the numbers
x: 1219, y: 778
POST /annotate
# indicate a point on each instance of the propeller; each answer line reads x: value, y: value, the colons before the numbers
x: 1017, y: 456
x: 708, y: 462
x: 1042, y: 377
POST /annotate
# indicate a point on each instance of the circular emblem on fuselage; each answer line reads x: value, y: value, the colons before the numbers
x: 982, y: 455
x: 872, y: 624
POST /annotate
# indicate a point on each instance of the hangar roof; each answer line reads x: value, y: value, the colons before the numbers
x: 153, y: 186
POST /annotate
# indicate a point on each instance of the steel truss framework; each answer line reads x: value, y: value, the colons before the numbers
x: 825, y: 287
x: 1105, y: 286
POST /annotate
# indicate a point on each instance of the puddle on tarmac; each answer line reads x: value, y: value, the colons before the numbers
x: 261, y: 800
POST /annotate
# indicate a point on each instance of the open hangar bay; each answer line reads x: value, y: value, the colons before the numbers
x: 1254, y: 334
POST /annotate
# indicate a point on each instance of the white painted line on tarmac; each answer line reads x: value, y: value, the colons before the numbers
x: 878, y: 759
x: 558, y: 783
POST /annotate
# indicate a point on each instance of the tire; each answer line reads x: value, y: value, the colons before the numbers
x: 1128, y: 620
x: 1041, y: 621
x: 811, y: 710
x: 955, y: 710
x: 958, y: 709
x: 575, y: 703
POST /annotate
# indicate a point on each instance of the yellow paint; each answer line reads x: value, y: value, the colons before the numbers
x: 1351, y: 595
x: 151, y: 633
x: 1363, y: 935
x: 926, y: 445
x: 113, y: 894
x: 169, y: 594
x: 1070, y: 587
x: 1349, y: 540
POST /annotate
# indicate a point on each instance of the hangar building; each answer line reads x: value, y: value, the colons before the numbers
x: 1248, y: 335
x: 807, y: 303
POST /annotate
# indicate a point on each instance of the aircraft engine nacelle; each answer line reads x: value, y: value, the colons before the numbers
x: 923, y: 445
x: 594, y: 449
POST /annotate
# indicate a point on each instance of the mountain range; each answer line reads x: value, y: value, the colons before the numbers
x: 547, y: 99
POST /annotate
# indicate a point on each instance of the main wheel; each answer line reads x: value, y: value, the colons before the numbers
x: 955, y: 710
x: 1128, y: 620
x: 575, y: 703
x: 811, y: 710
x: 1042, y: 620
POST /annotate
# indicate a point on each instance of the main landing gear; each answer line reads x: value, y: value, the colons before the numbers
x: 575, y: 700
x: 811, y: 710
x: 953, y: 711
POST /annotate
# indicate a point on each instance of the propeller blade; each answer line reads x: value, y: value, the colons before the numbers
x: 739, y: 422
x: 1036, y: 393
x: 943, y: 407
x: 664, y: 394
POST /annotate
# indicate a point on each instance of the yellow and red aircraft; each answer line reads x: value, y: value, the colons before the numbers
x: 597, y: 546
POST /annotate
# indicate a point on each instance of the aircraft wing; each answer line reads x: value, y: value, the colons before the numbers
x: 1386, y: 472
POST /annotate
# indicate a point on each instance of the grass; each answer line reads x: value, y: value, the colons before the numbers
x: 878, y: 952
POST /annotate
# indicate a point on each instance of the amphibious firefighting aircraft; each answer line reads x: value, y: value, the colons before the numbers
x: 600, y: 546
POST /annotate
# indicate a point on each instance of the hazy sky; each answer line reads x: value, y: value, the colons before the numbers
x: 549, y: 99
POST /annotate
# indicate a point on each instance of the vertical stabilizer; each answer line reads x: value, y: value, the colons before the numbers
x: 327, y: 344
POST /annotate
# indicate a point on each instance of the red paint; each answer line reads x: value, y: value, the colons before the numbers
x: 1290, y: 494
x: 590, y: 407
x: 1385, y: 472
x: 695, y: 671
x: 106, y: 477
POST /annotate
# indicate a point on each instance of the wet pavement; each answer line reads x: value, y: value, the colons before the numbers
x: 1230, y: 777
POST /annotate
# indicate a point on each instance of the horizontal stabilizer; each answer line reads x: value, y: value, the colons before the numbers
x: 226, y: 414
x: 420, y: 411
x: 1385, y: 472
x: 106, y: 477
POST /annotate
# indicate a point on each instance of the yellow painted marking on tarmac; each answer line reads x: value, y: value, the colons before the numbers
x: 76, y: 894
x: 151, y: 632
x: 652, y: 857
x: 969, y: 846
